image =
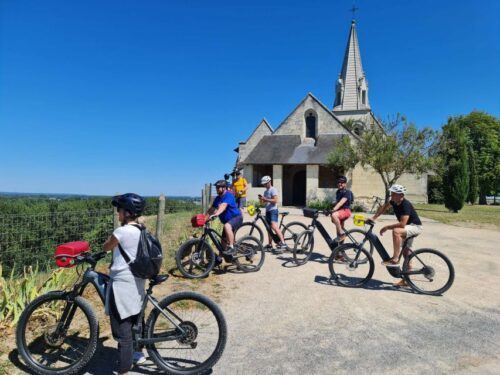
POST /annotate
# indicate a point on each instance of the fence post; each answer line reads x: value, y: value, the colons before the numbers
x: 116, y: 223
x: 202, y: 201
x: 160, y: 216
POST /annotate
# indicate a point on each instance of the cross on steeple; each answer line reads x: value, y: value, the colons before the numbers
x: 353, y: 10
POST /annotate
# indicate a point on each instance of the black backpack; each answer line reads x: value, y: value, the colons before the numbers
x: 148, y: 260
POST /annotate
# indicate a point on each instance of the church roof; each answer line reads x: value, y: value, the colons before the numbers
x: 352, y: 77
x: 288, y: 149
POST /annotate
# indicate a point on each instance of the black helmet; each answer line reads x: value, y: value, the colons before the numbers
x: 130, y: 202
x: 221, y: 183
x: 342, y: 179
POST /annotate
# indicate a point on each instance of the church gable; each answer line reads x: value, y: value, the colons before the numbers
x: 245, y: 148
x: 310, y: 117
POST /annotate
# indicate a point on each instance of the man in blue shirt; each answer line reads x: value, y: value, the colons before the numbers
x: 225, y: 208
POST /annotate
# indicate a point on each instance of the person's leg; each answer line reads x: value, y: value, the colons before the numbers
x: 269, y: 221
x: 229, y: 235
x: 275, y: 227
x: 122, y: 332
x: 398, y: 236
x: 336, y: 222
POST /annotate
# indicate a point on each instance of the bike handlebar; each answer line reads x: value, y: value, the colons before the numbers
x: 92, y: 259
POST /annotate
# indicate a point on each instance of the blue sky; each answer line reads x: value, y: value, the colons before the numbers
x: 153, y: 96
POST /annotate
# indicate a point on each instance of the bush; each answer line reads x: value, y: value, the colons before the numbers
x: 324, y: 204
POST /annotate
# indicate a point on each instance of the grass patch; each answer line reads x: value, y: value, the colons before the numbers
x: 486, y: 216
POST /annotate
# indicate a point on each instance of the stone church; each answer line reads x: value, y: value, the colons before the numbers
x: 295, y: 153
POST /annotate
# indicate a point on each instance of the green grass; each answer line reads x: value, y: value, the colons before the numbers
x: 486, y: 216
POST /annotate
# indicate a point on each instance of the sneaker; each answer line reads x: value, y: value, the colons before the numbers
x: 268, y: 248
x: 218, y: 261
x: 139, y: 358
x: 390, y: 263
x: 230, y: 250
x: 400, y: 283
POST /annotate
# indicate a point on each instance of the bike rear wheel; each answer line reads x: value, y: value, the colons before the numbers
x: 249, y: 255
x: 52, y: 342
x: 303, y: 247
x: 291, y: 232
x: 249, y: 229
x: 346, y: 270
x: 204, y: 339
x: 195, y: 258
x: 433, y: 272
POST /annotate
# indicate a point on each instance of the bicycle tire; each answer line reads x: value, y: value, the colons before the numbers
x: 22, y: 346
x: 303, y: 247
x: 180, y: 259
x: 290, y: 233
x: 411, y: 279
x: 338, y: 258
x: 249, y: 249
x: 222, y: 334
x: 363, y: 233
x: 249, y: 229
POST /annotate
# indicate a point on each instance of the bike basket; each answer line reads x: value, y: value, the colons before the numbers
x: 310, y: 212
x: 251, y: 210
x: 66, y: 253
x: 359, y: 220
x: 198, y: 220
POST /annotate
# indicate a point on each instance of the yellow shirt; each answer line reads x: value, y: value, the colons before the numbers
x: 239, y: 187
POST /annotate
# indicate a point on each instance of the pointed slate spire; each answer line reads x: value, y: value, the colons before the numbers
x: 351, y: 91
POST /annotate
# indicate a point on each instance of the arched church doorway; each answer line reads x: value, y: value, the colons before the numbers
x: 294, y: 185
x: 299, y: 188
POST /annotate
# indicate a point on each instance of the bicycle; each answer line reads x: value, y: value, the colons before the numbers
x: 378, y: 202
x: 196, y: 258
x: 290, y: 231
x: 58, y: 332
x: 305, y: 241
x: 420, y: 268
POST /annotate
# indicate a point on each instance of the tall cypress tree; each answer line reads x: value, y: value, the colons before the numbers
x: 473, y: 177
x: 456, y: 174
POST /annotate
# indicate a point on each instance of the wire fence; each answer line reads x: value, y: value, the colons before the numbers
x: 29, y: 239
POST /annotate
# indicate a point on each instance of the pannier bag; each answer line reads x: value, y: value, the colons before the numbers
x: 149, y: 257
x: 310, y: 212
x: 198, y: 220
x: 66, y: 253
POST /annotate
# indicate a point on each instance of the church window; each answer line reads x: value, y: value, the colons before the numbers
x: 328, y: 177
x: 260, y: 171
x: 311, y: 123
x: 363, y: 97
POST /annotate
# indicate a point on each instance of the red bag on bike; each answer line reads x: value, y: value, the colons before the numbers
x: 66, y: 253
x: 198, y: 220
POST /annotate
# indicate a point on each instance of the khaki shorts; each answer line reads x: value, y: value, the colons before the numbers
x: 412, y: 231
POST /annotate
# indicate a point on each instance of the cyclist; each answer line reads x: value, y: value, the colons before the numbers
x: 342, y: 207
x: 125, y: 292
x: 409, y: 224
x: 270, y: 198
x: 240, y: 186
x: 224, y: 206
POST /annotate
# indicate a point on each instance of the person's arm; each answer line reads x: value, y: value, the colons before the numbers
x: 380, y: 211
x: 221, y: 209
x: 110, y: 243
x: 273, y: 200
x: 339, y: 204
x: 400, y: 224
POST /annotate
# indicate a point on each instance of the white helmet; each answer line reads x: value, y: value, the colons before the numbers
x: 264, y: 180
x: 399, y: 189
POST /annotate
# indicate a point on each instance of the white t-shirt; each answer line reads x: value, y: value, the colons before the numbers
x: 271, y: 193
x: 128, y: 236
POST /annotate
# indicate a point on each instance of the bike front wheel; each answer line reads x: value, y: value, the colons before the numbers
x: 303, y: 247
x: 198, y: 346
x: 291, y: 232
x: 249, y: 255
x: 356, y: 237
x: 249, y: 229
x: 57, y: 335
x: 428, y: 271
x: 195, y: 258
x: 351, y: 266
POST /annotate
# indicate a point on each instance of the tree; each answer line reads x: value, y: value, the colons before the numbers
x: 456, y: 166
x: 395, y: 148
x: 473, y: 177
x: 484, y: 134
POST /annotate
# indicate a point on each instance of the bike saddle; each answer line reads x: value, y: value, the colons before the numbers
x: 284, y: 213
x: 158, y: 279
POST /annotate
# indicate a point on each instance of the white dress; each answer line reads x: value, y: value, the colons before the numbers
x: 128, y: 290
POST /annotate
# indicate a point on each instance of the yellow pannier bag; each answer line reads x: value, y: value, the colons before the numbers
x: 359, y: 220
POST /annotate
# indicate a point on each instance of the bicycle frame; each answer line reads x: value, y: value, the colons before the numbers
x: 269, y: 230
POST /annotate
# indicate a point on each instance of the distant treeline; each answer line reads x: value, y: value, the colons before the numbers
x: 31, y: 228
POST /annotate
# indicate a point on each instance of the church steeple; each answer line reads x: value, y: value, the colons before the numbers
x: 351, y: 89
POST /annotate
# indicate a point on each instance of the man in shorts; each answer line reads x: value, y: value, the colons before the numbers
x: 224, y: 206
x: 342, y: 208
x: 270, y: 198
x: 408, y: 225
x: 240, y: 187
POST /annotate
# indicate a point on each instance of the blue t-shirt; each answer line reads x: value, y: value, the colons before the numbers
x: 345, y: 194
x: 231, y: 210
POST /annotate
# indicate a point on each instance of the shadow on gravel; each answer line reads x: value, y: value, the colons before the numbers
x: 373, y: 284
x: 315, y: 257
